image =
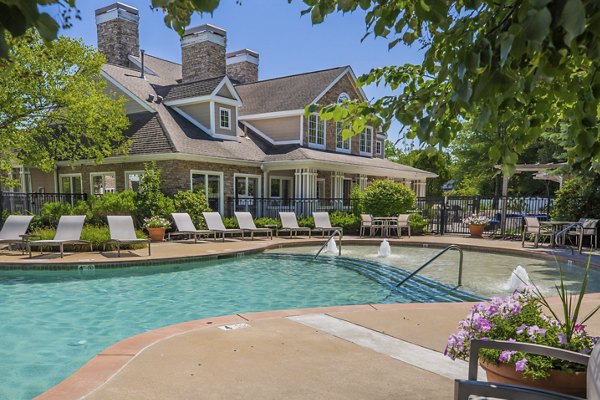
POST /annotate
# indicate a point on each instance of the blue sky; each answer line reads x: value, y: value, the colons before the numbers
x: 287, y: 42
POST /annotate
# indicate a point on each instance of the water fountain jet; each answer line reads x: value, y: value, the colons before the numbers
x: 384, y: 249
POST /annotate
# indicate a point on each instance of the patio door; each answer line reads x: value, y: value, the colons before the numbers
x: 347, y: 189
x: 211, y: 184
x: 246, y: 192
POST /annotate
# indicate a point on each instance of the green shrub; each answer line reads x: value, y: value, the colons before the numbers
x: 95, y: 234
x: 193, y: 203
x: 418, y: 224
x: 308, y: 222
x: 230, y: 223
x: 576, y: 199
x: 349, y: 222
x: 151, y: 200
x: 262, y: 222
x: 122, y: 203
x: 51, y: 213
x: 357, y: 197
x: 385, y: 198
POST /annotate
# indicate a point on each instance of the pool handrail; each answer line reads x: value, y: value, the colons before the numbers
x: 451, y: 247
x: 336, y: 232
x: 565, y: 230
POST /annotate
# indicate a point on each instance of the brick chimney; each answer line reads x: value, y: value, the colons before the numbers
x: 118, y: 33
x: 242, y: 66
x: 203, y: 53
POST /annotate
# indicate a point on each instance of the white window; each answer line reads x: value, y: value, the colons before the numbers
x: 281, y: 188
x: 366, y: 141
x: 378, y: 148
x: 224, y: 118
x: 316, y: 131
x: 341, y: 144
x: 70, y: 183
x: 133, y: 180
x: 102, y: 182
x: 211, y: 184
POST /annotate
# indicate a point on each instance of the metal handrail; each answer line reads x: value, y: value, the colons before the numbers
x: 336, y: 232
x: 460, y: 264
x: 565, y: 230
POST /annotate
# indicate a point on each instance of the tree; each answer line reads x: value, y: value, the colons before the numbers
x: 515, y: 69
x: 53, y: 106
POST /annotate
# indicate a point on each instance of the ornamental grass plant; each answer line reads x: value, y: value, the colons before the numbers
x: 527, y: 316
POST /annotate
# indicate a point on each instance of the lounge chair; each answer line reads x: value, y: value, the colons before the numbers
x: 185, y: 226
x: 289, y: 222
x: 366, y: 221
x: 403, y: 222
x: 464, y: 389
x: 588, y: 228
x: 533, y: 227
x: 122, y: 231
x: 216, y: 226
x: 323, y: 224
x: 246, y: 224
x: 14, y: 228
x: 68, y: 231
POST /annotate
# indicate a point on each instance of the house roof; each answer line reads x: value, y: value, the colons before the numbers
x: 191, y: 89
x: 147, y: 134
x: 168, y: 71
x: 292, y: 92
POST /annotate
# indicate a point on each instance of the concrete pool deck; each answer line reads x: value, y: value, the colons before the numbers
x: 351, y: 352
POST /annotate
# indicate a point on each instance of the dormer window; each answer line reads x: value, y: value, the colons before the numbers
x: 366, y: 141
x: 224, y: 118
x: 316, y: 131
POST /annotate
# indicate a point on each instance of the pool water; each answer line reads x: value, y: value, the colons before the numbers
x: 53, y: 322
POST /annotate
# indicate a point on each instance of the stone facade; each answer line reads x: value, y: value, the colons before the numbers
x: 202, y: 61
x: 117, y: 38
x: 243, y: 72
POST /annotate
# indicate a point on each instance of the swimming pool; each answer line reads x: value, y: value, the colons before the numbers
x: 55, y: 321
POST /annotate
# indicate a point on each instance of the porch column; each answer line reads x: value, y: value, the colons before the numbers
x: 305, y: 183
x: 421, y: 188
x: 362, y: 181
x: 337, y: 185
x: 408, y: 183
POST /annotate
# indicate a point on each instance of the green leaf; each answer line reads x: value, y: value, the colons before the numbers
x: 506, y: 42
x: 537, y: 25
x: 315, y: 16
x: 47, y: 27
x: 573, y: 20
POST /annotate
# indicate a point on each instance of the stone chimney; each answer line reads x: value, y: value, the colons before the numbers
x: 118, y: 34
x: 203, y: 53
x: 242, y: 66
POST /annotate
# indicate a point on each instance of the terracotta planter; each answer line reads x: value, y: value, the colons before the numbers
x: 558, y: 381
x: 156, y: 234
x: 476, y: 230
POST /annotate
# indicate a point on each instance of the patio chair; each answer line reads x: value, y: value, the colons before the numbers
x: 14, y: 229
x: 122, y: 231
x: 185, y: 226
x: 246, y: 224
x: 366, y: 221
x: 464, y: 389
x: 403, y: 222
x: 68, y: 231
x: 589, y: 227
x: 323, y: 224
x: 533, y: 227
x: 216, y: 226
x: 289, y: 223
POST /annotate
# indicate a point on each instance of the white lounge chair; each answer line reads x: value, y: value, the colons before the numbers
x: 246, y: 224
x: 68, y: 231
x: 185, y: 226
x: 122, y: 231
x: 403, y: 222
x: 14, y: 229
x: 323, y: 223
x: 216, y: 226
x: 289, y: 222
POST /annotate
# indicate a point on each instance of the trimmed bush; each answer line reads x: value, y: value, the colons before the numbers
x: 193, y: 203
x: 418, y: 224
x: 385, y: 198
x: 51, y: 213
x: 95, y: 234
x: 230, y: 223
x: 122, y: 203
x: 349, y: 222
x: 262, y: 222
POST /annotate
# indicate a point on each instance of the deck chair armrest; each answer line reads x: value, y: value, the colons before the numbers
x: 463, y: 389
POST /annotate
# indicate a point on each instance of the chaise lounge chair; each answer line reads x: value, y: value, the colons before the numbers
x: 185, y: 226
x: 323, y: 224
x: 68, y: 232
x: 246, y: 224
x: 122, y: 231
x: 216, y: 226
x: 289, y: 222
x: 14, y: 228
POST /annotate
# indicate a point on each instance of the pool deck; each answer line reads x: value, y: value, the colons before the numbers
x: 351, y: 352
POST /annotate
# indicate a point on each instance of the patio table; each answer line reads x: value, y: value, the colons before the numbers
x: 557, y: 226
x: 386, y: 223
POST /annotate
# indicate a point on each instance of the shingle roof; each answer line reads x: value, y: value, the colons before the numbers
x: 147, y: 134
x: 286, y: 93
x: 168, y: 71
x: 190, y: 89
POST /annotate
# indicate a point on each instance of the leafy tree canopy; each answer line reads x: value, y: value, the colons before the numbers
x: 54, y: 106
x: 515, y: 69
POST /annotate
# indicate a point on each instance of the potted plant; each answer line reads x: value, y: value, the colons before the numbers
x: 156, y: 227
x: 476, y: 224
x: 521, y: 318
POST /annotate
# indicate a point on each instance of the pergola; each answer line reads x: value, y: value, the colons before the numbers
x: 540, y: 171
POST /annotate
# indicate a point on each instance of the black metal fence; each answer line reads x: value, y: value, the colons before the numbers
x: 31, y: 203
x: 270, y: 207
x: 445, y: 214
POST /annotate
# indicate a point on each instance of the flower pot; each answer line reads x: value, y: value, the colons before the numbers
x: 558, y: 381
x: 156, y: 234
x: 476, y: 230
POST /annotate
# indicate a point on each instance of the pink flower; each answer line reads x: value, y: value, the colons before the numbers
x: 505, y: 356
x: 520, y: 365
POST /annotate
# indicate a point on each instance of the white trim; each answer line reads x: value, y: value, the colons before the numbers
x: 269, y: 115
x: 227, y: 82
x: 221, y: 185
x: 103, y: 175
x: 241, y: 57
x: 365, y: 153
x: 141, y: 173
x: 243, y: 175
x: 290, y: 179
x: 267, y: 137
x: 213, y: 125
x: 204, y: 36
x: 117, y: 13
x: 71, y: 175
x: 336, y: 80
x: 228, y: 110
x: 165, y: 157
x: 202, y: 99
x: 141, y: 102
x: 302, y: 129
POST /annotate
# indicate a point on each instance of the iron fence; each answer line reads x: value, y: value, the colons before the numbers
x: 270, y: 207
x: 32, y: 203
